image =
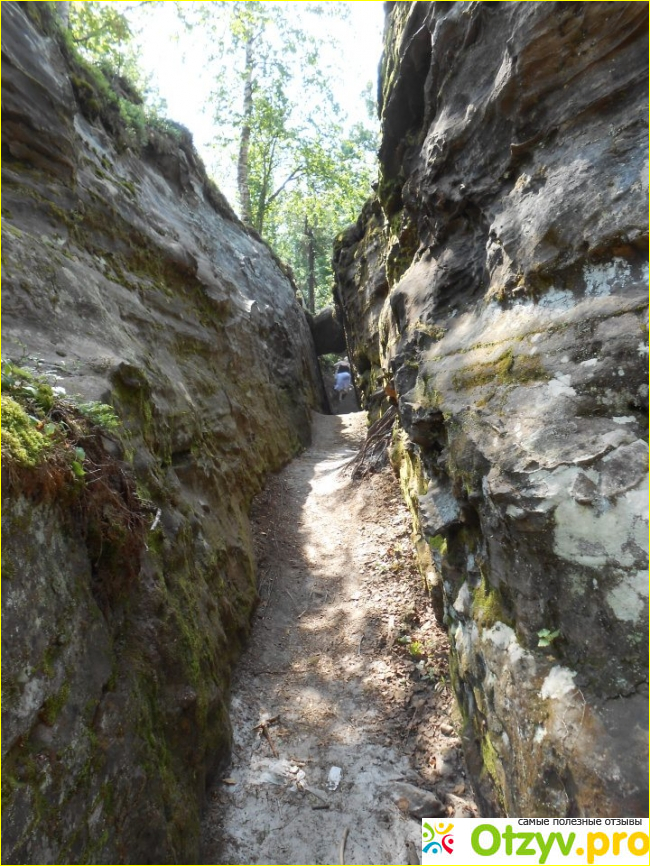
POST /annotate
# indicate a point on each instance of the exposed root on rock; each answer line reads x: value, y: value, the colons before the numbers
x: 373, y: 454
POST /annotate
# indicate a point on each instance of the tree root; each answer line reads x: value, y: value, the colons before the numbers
x: 372, y: 455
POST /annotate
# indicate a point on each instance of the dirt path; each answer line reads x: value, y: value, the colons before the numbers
x: 349, y: 668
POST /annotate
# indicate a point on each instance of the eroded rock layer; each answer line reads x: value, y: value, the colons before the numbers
x: 497, y: 285
x: 126, y: 274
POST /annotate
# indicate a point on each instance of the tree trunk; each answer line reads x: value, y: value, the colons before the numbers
x: 311, y: 268
x: 62, y: 11
x: 243, y: 184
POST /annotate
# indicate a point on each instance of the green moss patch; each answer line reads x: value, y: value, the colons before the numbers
x: 508, y: 369
x: 487, y: 607
x: 22, y: 443
x: 402, y: 248
x: 52, y: 707
x: 493, y: 767
x: 438, y: 543
x: 39, y: 423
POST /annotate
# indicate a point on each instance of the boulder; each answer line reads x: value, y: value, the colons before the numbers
x: 327, y: 330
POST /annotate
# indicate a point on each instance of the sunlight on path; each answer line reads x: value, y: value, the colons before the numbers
x: 321, y: 685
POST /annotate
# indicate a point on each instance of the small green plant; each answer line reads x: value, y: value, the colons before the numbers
x: 26, y: 384
x: 100, y: 414
x: 433, y: 675
x: 546, y: 637
x: 416, y: 649
x: 77, y: 464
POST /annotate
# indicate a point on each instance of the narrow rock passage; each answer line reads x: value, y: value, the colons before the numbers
x: 346, y: 668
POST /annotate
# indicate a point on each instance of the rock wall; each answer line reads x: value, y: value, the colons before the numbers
x: 127, y: 276
x: 498, y: 282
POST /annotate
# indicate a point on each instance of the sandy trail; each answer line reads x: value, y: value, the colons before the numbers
x: 349, y: 666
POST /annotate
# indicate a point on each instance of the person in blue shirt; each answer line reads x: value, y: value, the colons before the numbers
x: 342, y: 382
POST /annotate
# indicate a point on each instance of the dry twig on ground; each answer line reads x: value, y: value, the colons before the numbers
x: 263, y: 728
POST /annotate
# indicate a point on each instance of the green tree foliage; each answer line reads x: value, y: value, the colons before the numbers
x: 321, y: 204
x: 301, y: 174
x: 99, y: 31
x: 102, y: 33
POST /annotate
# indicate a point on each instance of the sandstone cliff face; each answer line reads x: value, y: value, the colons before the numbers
x: 499, y: 279
x: 127, y: 275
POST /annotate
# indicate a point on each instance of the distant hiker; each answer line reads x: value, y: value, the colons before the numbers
x: 342, y: 382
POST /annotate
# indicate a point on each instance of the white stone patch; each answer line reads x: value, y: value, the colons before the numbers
x: 39, y: 534
x: 643, y: 181
x: 607, y: 441
x: 615, y: 438
x: 465, y: 639
x: 557, y: 387
x: 558, y: 683
x: 490, y: 680
x: 590, y: 363
x: 643, y: 348
x: 500, y: 635
x: 600, y: 279
x: 505, y: 659
x: 624, y: 419
x: 540, y: 733
x: 588, y: 538
x: 564, y: 359
x: 553, y: 486
x: 463, y: 600
x: 517, y: 653
x: 629, y: 599
x: 557, y: 299
x: 31, y: 699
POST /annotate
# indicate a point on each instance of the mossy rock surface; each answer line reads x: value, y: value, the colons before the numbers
x: 139, y: 293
